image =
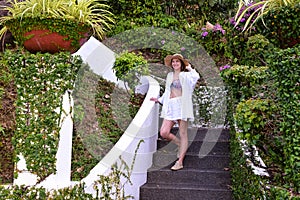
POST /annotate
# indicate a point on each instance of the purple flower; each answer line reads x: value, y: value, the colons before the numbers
x: 225, y: 67
x: 204, y: 34
x: 182, y: 49
x: 232, y: 21
x: 249, y: 4
x: 218, y: 27
x: 163, y: 42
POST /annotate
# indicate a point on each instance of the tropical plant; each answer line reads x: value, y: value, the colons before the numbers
x: 89, y: 14
x: 254, y: 11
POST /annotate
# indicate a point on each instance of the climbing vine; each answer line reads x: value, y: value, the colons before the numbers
x: 41, y: 81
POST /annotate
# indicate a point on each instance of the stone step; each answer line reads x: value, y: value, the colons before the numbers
x: 196, y: 147
x: 192, y: 161
x: 205, y: 174
x: 190, y: 176
x: 179, y: 191
x: 201, y: 134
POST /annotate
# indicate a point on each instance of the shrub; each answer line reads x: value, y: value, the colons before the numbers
x: 213, y: 40
x: 256, y: 50
x: 129, y: 67
x: 281, y: 26
x: 244, y: 80
x: 284, y: 66
x: 252, y: 116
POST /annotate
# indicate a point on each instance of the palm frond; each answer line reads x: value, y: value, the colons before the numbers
x: 3, y: 31
x: 260, y: 9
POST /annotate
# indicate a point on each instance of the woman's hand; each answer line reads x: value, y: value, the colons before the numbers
x: 154, y: 99
x: 189, y: 67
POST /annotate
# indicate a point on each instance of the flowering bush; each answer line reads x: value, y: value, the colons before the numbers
x: 213, y: 39
x: 213, y: 28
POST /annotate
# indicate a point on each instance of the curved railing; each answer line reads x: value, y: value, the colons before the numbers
x: 144, y: 127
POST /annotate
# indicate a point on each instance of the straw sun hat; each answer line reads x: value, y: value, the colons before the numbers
x: 169, y: 58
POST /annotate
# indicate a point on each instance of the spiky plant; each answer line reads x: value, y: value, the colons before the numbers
x: 91, y: 13
x: 258, y: 9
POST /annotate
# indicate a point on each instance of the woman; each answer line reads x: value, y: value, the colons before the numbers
x: 177, y: 103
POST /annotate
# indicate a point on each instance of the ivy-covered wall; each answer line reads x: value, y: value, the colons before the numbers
x: 41, y: 80
x: 284, y: 65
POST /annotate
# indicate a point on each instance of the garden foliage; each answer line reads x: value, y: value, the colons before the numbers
x: 130, y: 67
x: 265, y: 106
x: 284, y: 65
x: 260, y: 69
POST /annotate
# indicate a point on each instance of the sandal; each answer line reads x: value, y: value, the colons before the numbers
x: 177, y: 166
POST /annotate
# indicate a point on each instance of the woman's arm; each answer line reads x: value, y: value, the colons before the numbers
x: 191, y: 76
x: 166, y: 93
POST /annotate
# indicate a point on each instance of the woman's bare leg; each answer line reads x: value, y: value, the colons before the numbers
x: 165, y: 131
x: 183, y: 125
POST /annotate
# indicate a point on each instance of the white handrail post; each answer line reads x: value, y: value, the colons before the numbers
x: 64, y: 152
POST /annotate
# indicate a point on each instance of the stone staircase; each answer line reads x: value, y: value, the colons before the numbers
x: 205, y: 174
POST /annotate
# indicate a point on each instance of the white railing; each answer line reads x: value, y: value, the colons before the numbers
x: 62, y: 178
x: 144, y: 127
